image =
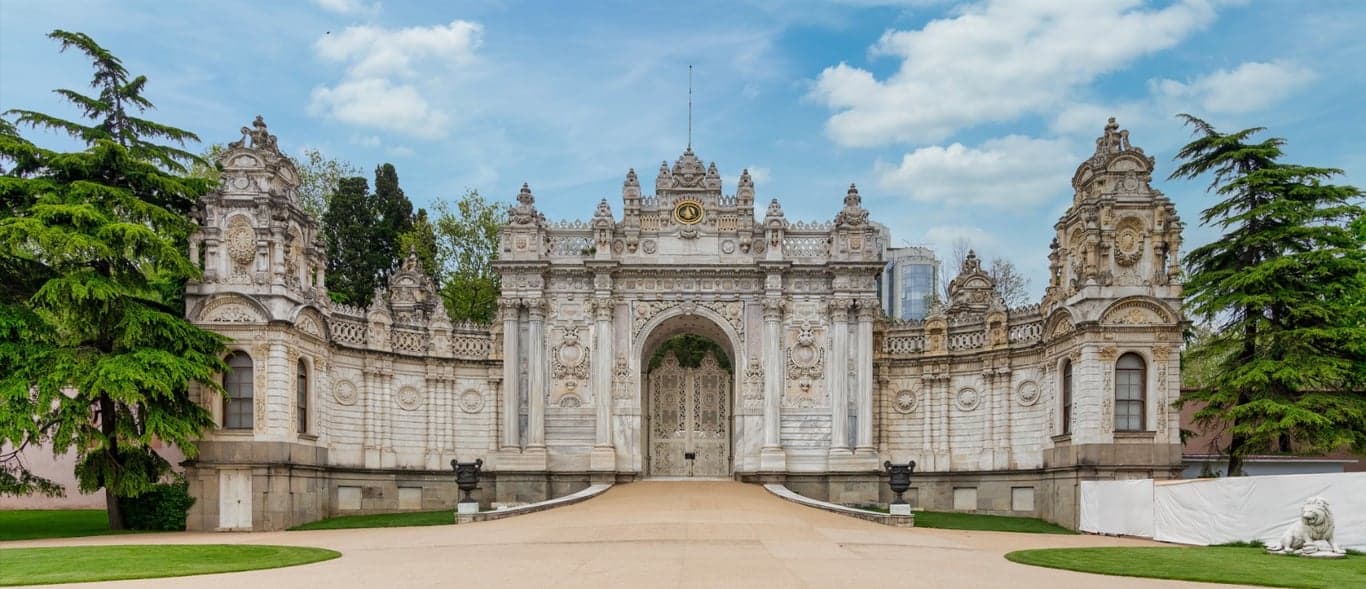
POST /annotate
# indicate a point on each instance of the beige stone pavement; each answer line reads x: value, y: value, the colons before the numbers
x: 651, y: 534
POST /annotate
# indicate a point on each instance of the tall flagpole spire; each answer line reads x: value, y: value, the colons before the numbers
x: 689, y: 106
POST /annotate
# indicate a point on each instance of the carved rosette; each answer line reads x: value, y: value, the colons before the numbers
x: 1027, y: 393
x: 967, y: 399
x: 905, y: 401
x: 408, y: 398
x: 471, y: 401
x: 344, y: 391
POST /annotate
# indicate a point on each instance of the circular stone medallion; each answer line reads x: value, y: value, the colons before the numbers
x: 905, y: 402
x: 967, y: 399
x: 1028, y: 393
x: 344, y: 392
x: 471, y: 401
x: 408, y: 398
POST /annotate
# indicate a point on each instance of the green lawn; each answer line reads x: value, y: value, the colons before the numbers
x: 80, y: 564
x: 990, y: 523
x: 1211, y: 564
x: 32, y: 524
x: 949, y: 520
x: 382, y: 520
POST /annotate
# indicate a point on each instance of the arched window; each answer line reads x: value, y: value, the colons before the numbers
x: 1129, y: 386
x: 1066, y: 396
x: 301, y: 392
x: 237, y: 410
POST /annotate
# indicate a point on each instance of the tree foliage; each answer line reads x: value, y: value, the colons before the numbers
x: 1010, y: 284
x: 467, y: 239
x: 319, y: 177
x: 95, y: 353
x: 1282, y: 286
x: 420, y: 239
x: 347, y: 228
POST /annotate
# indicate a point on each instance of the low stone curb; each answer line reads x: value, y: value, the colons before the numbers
x: 886, y: 519
x: 570, y: 499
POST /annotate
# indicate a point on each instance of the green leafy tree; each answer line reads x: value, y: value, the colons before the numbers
x: 319, y: 177
x: 1286, y: 358
x: 395, y: 219
x: 348, y: 227
x: 95, y: 353
x: 467, y: 238
x: 421, y: 240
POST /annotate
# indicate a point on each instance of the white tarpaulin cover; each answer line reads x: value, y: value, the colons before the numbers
x: 1117, y: 507
x: 1215, y: 511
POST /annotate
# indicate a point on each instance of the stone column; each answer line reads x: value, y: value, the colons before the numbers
x: 773, y: 371
x: 602, y: 370
x: 838, y: 383
x: 863, y: 362
x: 603, y: 456
x: 536, y: 364
x: 511, y: 327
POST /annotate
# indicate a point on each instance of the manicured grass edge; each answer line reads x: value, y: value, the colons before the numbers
x: 321, y: 554
x: 1023, y: 557
x: 406, y: 519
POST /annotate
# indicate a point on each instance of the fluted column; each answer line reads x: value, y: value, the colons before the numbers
x: 510, y: 309
x: 839, y: 374
x: 536, y: 365
x: 773, y: 370
x: 863, y: 363
x: 602, y: 371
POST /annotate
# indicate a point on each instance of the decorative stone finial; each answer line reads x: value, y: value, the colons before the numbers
x: 259, y: 136
x: 853, y: 214
x: 774, y: 209
x: 1114, y: 139
x: 604, y: 209
x: 631, y: 180
x: 525, y: 212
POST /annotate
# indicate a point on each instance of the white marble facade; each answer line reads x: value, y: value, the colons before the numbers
x: 823, y: 384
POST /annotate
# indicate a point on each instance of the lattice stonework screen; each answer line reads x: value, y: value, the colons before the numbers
x: 689, y: 414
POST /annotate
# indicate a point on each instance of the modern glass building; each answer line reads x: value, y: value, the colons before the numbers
x: 909, y: 282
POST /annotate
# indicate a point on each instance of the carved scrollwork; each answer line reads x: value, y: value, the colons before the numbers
x: 906, y: 401
x: 569, y: 358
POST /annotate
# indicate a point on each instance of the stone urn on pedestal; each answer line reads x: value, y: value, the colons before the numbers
x: 899, y: 479
x: 467, y: 479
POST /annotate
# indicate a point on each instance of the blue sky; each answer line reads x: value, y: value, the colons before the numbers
x: 955, y: 119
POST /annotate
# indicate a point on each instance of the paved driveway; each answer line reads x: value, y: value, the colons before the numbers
x: 652, y: 534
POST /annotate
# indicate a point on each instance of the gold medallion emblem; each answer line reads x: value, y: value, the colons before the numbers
x: 688, y: 212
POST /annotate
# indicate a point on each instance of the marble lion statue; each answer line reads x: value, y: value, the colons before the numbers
x: 1311, y: 534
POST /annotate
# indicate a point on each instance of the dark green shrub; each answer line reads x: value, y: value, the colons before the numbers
x: 163, y: 508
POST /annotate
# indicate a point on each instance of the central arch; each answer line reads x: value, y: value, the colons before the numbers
x: 699, y: 402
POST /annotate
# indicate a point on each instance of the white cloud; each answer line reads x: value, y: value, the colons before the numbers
x: 377, y: 103
x: 365, y: 140
x: 1251, y: 86
x: 1007, y: 172
x: 759, y: 174
x: 376, y: 51
x: 351, y: 7
x: 401, y: 151
x: 995, y: 61
x: 390, y: 71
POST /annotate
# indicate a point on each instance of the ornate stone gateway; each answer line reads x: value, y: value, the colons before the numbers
x: 689, y: 419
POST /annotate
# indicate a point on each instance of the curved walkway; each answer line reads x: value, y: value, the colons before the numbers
x: 656, y: 535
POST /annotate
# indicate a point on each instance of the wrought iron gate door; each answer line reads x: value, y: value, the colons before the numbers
x: 689, y: 419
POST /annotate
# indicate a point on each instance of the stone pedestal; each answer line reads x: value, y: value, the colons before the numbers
x: 603, y: 459
x: 772, y: 459
x: 466, y: 508
x: 901, y: 509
